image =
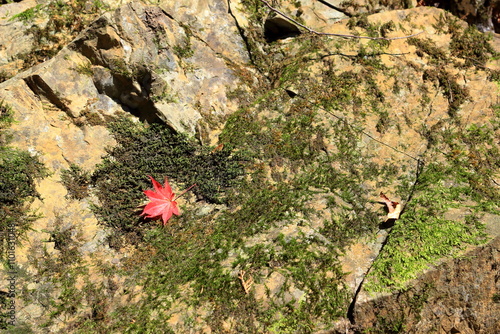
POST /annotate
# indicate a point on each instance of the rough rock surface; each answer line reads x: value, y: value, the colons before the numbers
x: 147, y: 61
x: 15, y: 30
x: 457, y: 296
x: 483, y: 14
x: 62, y: 105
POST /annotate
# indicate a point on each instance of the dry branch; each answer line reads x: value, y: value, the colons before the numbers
x: 332, y: 34
x: 245, y: 283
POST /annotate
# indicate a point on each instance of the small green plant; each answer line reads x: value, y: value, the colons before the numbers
x: 390, y: 325
x: 166, y: 96
x: 473, y: 46
x: 4, y: 75
x: 19, y: 172
x: 280, y: 155
x: 119, y: 67
x: 158, y: 151
x: 452, y: 90
x: 423, y: 235
x: 67, y: 19
x: 76, y: 181
x: 28, y: 15
x: 185, y: 49
x: 85, y: 69
x: 429, y: 47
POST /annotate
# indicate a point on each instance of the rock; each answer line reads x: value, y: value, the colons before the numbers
x: 60, y: 82
x: 14, y: 29
x: 211, y: 23
x: 483, y: 14
x: 158, y: 67
x: 178, y: 63
x: 316, y: 15
x: 41, y: 29
x: 358, y: 258
x: 452, y: 297
x: 272, y: 291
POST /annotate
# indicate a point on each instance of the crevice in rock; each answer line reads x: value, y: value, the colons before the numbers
x: 352, y: 306
x: 388, y: 224
x: 277, y: 28
x: 338, y: 9
x: 113, y: 77
x: 241, y: 31
x: 40, y: 88
x: 350, y: 309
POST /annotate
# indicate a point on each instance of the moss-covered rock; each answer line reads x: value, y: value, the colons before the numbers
x: 285, y: 231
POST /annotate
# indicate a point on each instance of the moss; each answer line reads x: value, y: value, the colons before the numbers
x: 85, y: 69
x: 454, y: 92
x: 393, y: 324
x: 473, y: 46
x: 28, y: 15
x: 119, y: 67
x: 462, y: 179
x: 6, y: 119
x: 316, y: 273
x: 19, y: 172
x: 66, y: 239
x: 185, y: 49
x: 429, y: 47
x: 360, y: 21
x: 383, y: 123
x: 165, y: 96
x: 76, y: 181
x: 280, y: 154
x: 157, y: 151
x: 447, y: 24
x: 387, y: 27
x: 195, y: 246
x: 67, y: 19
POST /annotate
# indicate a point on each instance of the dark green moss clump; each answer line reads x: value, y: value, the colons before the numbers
x: 452, y: 90
x: 76, y: 181
x: 18, y: 174
x: 429, y: 47
x: 473, y: 46
x: 158, y: 151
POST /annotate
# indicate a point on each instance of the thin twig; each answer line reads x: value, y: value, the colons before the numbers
x: 332, y: 34
x: 344, y: 119
x: 185, y: 191
x: 368, y: 55
x: 245, y: 283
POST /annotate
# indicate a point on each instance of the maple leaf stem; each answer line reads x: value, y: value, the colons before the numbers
x: 185, y: 191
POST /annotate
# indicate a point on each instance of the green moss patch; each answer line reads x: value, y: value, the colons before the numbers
x: 465, y: 181
x: 19, y: 172
x: 473, y: 46
x: 157, y: 151
x: 306, y: 164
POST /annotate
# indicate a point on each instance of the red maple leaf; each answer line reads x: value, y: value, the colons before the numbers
x: 163, y: 204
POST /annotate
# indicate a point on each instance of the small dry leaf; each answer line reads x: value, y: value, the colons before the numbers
x: 245, y: 283
x: 394, y: 208
x: 217, y: 148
